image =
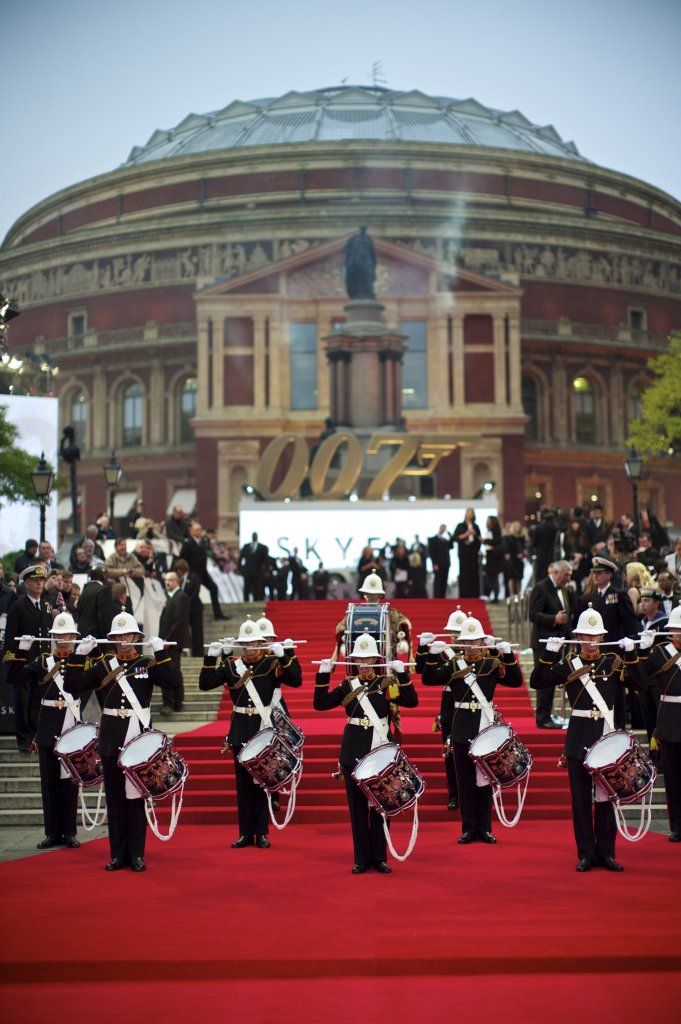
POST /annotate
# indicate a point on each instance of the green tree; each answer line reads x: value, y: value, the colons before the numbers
x: 658, y: 430
x: 16, y: 465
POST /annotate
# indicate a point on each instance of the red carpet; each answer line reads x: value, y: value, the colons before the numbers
x: 210, y: 797
x: 280, y: 922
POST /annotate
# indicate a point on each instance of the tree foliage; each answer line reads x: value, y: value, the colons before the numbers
x: 16, y: 465
x: 658, y: 430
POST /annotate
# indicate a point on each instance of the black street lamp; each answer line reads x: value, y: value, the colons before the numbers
x: 42, y: 479
x: 112, y: 474
x: 632, y: 467
x: 70, y: 453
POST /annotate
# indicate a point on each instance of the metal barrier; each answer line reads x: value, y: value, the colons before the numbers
x: 517, y: 609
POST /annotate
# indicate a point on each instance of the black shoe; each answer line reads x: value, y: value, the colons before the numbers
x: 115, y: 864
x: 609, y: 863
x: 165, y: 711
x: 486, y: 837
x: 71, y: 842
x: 675, y: 837
x: 465, y: 838
x: 585, y: 864
x: 549, y: 724
x: 23, y: 749
x: 359, y: 869
x: 262, y: 842
x: 137, y: 864
x: 49, y: 841
x: 180, y: 707
x: 242, y: 841
x: 382, y: 867
x: 453, y: 804
x: 220, y: 616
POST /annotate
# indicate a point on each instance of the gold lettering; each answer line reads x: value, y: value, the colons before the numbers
x: 321, y: 463
x: 405, y: 449
x: 295, y: 474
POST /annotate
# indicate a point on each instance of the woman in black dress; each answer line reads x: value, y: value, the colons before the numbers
x: 513, y: 545
x: 494, y: 558
x: 467, y: 537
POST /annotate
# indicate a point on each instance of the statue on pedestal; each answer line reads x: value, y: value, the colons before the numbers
x: 359, y: 269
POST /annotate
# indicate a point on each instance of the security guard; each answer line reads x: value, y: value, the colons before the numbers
x: 595, y: 831
x: 359, y: 738
x: 443, y: 722
x: 121, y: 722
x: 469, y: 715
x: 30, y: 615
x: 265, y: 669
x: 58, y: 712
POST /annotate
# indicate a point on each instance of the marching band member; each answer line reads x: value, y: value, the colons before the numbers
x: 663, y: 667
x: 592, y: 679
x: 126, y: 680
x: 58, y: 712
x: 400, y: 629
x: 473, y: 680
x: 443, y: 722
x: 365, y: 696
x: 252, y: 680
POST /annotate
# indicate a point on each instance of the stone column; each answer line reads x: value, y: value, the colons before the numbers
x: 219, y: 362
x: 259, y: 363
x: 458, y: 358
x: 276, y: 359
x: 561, y: 426
x: 156, y: 403
x: 202, y: 369
x: 438, y: 374
x: 515, y: 360
x: 98, y: 406
x: 499, y: 359
x: 618, y: 406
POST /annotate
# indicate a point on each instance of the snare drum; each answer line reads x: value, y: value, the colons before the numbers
x: 153, y: 765
x: 623, y: 770
x: 270, y: 759
x: 294, y: 736
x: 388, y: 779
x: 500, y: 755
x: 78, y: 751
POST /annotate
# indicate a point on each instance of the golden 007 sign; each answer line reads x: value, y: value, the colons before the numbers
x: 413, y: 455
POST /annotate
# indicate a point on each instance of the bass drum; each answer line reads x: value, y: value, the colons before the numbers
x: 369, y: 618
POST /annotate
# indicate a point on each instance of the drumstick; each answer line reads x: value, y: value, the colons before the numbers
x: 353, y: 664
x: 608, y: 643
x: 661, y: 632
x: 137, y: 643
x: 38, y: 639
x: 229, y: 640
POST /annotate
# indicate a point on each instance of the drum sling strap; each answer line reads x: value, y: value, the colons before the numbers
x: 487, y: 710
x: 142, y: 717
x: 379, y: 733
x: 72, y: 706
x: 599, y: 701
x: 246, y: 680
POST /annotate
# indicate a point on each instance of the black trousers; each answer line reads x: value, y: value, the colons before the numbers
x: 593, y: 822
x: 368, y: 838
x: 440, y: 582
x: 544, y: 706
x: 250, y: 588
x: 475, y: 801
x: 26, y: 711
x: 648, y: 702
x: 196, y: 630
x: 620, y: 708
x: 251, y: 802
x: 450, y: 769
x: 212, y: 588
x: 60, y: 796
x: 175, y: 698
x: 126, y: 819
x: 671, y: 765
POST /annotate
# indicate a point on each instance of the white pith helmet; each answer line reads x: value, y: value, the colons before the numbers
x: 249, y: 632
x: 266, y: 628
x: 455, y: 621
x: 122, y: 624
x: 472, y: 629
x: 674, y: 621
x: 590, y: 623
x: 373, y: 584
x: 64, y: 624
x: 364, y: 647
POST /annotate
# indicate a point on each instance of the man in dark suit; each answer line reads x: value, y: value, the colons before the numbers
x: 26, y: 557
x: 174, y: 626
x: 30, y: 615
x: 543, y: 543
x: 252, y: 560
x: 439, y: 547
x: 190, y: 584
x: 596, y: 526
x: 553, y: 606
x: 618, y: 616
x: 92, y: 612
x: 194, y: 551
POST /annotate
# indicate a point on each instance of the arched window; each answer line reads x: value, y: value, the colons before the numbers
x: 187, y: 409
x: 584, y: 405
x: 78, y: 417
x: 530, y: 399
x: 132, y: 415
x: 635, y: 403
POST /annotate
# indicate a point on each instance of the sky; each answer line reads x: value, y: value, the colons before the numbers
x: 82, y: 82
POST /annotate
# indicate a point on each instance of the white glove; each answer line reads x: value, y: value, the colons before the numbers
x: 438, y: 647
x: 215, y: 649
x: 288, y: 644
x: 397, y: 666
x: 490, y: 641
x: 326, y: 667
x: 227, y: 647
x: 156, y: 643
x: 25, y: 645
x: 554, y: 643
x: 426, y: 638
x: 277, y: 650
x: 647, y: 639
x: 448, y: 652
x: 87, y: 644
x: 503, y: 647
x: 626, y: 643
